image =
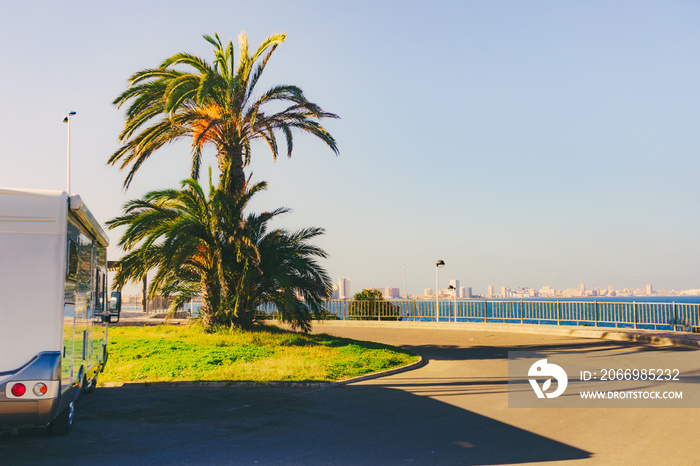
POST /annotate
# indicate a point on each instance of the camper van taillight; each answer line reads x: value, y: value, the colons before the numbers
x: 19, y: 389
x: 40, y: 389
x: 32, y: 389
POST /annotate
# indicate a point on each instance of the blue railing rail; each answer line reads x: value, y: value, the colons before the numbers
x: 680, y: 317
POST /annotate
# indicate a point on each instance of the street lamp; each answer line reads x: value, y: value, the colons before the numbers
x: 67, y: 120
x: 454, y: 305
x: 438, y: 265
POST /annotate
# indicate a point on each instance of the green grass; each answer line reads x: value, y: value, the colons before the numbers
x: 168, y: 353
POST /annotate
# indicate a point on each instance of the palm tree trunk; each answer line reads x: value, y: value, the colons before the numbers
x: 231, y: 163
x: 211, y: 300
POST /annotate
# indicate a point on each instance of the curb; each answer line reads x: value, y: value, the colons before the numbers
x: 221, y: 384
x: 638, y: 338
x: 375, y: 375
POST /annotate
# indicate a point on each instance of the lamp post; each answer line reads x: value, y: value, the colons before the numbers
x: 454, y: 305
x: 438, y: 265
x: 67, y: 120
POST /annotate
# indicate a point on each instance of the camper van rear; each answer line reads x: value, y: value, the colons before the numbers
x: 53, y: 306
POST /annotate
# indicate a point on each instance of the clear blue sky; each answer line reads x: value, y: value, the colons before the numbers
x: 525, y: 143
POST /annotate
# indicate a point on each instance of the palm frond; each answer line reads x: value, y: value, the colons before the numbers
x: 173, y: 101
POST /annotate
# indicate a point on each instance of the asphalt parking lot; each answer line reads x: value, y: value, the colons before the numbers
x: 351, y: 425
x: 453, y: 410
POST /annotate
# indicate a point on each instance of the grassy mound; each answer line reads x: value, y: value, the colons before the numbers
x: 168, y: 353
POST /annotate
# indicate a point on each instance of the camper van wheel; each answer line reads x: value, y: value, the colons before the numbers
x: 82, y: 382
x: 64, y: 421
x: 82, y: 387
x: 92, y: 384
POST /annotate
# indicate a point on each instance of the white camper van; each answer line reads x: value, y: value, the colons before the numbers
x: 54, y: 308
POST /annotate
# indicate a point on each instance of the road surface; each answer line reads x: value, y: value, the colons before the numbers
x: 453, y: 410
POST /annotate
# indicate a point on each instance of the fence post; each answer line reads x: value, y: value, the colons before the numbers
x: 596, y: 305
x: 634, y: 305
x: 558, y: 312
x: 596, y: 313
x: 675, y: 317
x: 485, y: 316
x: 521, y: 311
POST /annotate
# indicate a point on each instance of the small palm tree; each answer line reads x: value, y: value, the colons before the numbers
x: 291, y: 278
x: 285, y: 274
x: 175, y: 233
x: 199, y: 242
x: 188, y: 98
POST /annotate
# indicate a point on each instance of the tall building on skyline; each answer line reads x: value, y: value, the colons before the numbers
x: 390, y: 293
x: 465, y: 292
x: 490, y: 292
x: 344, y: 288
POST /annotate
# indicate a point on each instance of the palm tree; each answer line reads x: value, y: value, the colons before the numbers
x: 175, y: 233
x: 216, y: 104
x: 198, y: 242
x: 285, y: 274
x: 291, y: 278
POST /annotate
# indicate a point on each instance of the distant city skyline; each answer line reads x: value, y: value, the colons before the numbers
x: 343, y: 291
x: 518, y: 292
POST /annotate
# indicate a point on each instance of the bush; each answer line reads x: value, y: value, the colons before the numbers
x: 370, y: 305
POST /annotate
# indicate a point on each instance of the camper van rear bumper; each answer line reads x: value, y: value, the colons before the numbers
x: 29, y: 396
x: 32, y: 413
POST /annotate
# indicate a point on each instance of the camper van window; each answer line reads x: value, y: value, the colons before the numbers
x: 104, y: 291
x: 98, y: 290
x: 72, y: 266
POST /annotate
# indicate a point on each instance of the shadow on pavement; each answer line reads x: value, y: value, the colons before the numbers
x: 347, y: 425
x: 484, y: 352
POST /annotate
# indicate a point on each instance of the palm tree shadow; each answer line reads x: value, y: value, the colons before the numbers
x: 485, y: 352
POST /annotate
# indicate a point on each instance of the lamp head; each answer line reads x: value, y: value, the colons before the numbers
x: 440, y: 263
